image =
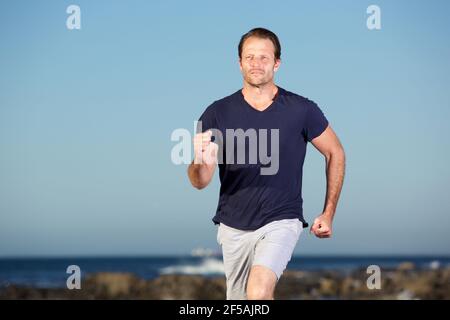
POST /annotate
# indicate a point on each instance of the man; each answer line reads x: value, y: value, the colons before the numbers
x: 260, y: 215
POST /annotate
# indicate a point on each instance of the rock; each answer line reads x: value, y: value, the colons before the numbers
x: 406, y: 266
x: 188, y: 287
x: 349, y: 287
x: 396, y: 284
x: 405, y: 295
x: 112, y: 284
x: 328, y: 287
x: 295, y: 285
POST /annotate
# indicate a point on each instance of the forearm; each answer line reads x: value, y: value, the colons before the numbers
x: 335, y: 171
x: 199, y: 174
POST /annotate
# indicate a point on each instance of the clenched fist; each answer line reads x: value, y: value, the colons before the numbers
x: 205, y: 151
x: 322, y: 226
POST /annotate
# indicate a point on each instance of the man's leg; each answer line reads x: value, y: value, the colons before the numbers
x: 273, y: 251
x: 237, y: 258
x: 261, y: 283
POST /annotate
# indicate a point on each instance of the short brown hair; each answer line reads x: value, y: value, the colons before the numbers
x: 263, y: 34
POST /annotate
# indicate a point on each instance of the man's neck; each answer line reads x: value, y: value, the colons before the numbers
x: 259, y: 93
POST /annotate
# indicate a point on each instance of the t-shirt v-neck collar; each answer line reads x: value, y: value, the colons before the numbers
x: 252, y: 109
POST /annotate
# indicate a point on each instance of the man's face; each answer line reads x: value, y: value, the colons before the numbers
x: 258, y: 63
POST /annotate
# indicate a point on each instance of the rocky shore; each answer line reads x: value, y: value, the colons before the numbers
x: 404, y: 282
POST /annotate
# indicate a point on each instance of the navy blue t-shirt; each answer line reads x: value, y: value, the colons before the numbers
x: 248, y: 199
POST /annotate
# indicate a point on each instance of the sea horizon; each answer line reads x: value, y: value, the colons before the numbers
x: 51, y: 272
x: 170, y: 255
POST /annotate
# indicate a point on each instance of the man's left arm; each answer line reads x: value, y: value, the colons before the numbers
x: 329, y: 145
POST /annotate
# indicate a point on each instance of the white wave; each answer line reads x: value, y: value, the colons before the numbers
x: 434, y: 265
x: 207, y: 266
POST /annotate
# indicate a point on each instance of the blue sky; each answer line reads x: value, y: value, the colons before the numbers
x: 86, y: 117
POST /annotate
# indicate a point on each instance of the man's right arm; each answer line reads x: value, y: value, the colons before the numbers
x: 201, y: 170
x: 200, y: 175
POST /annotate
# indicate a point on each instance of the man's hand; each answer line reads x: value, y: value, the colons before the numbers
x: 322, y: 226
x: 205, y: 151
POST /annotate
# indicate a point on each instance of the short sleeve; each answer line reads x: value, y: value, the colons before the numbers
x: 315, y: 122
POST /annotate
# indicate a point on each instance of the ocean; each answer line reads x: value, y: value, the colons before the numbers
x: 51, y: 272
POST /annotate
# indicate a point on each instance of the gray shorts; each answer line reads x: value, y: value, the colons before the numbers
x: 271, y: 246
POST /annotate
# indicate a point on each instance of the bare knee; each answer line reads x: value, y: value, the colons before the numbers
x: 259, y: 293
x: 261, y: 283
